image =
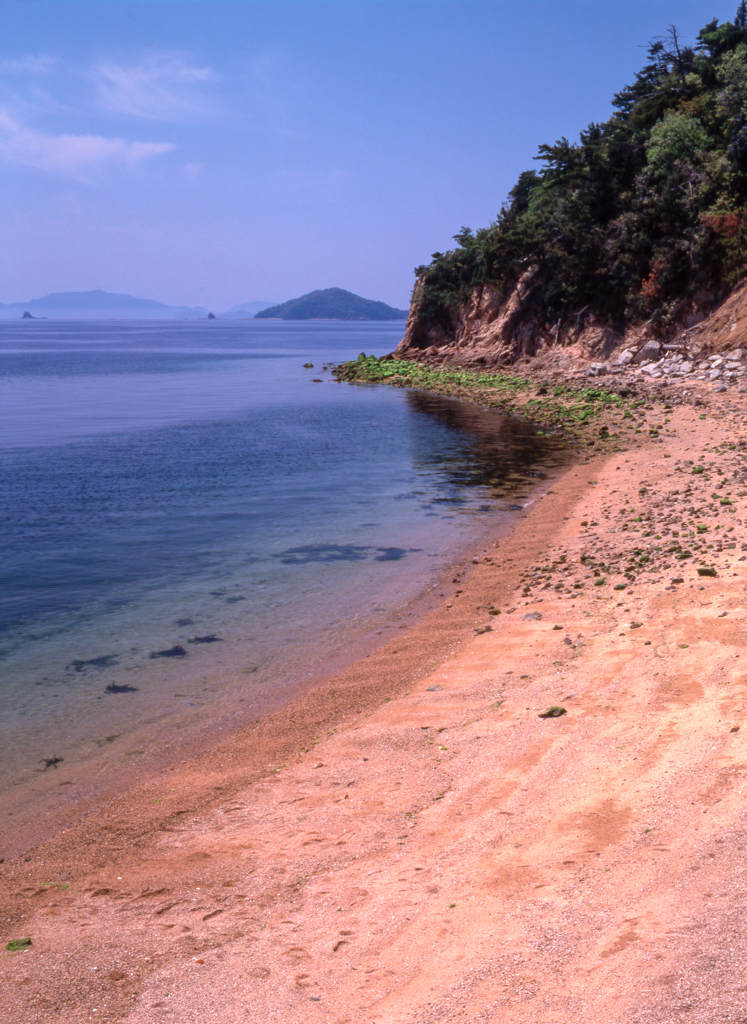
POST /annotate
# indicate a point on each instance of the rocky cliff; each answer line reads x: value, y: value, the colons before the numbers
x: 495, y: 328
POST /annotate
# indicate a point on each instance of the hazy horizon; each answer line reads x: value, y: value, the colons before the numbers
x: 211, y: 153
x: 92, y: 299
x: 129, y: 295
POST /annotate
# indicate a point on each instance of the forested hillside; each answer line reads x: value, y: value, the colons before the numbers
x: 331, y: 304
x: 638, y: 217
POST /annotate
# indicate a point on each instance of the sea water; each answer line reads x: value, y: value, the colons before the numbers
x: 195, y: 522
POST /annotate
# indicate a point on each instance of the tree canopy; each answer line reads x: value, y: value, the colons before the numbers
x: 646, y: 208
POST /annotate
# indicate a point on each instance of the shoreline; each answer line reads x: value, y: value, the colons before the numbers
x: 487, y: 861
x: 349, y: 661
x: 42, y: 805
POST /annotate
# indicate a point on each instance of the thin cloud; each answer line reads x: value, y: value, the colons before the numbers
x: 27, y: 66
x: 164, y: 88
x: 77, y: 156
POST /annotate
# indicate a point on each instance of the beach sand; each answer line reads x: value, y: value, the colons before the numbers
x: 411, y: 841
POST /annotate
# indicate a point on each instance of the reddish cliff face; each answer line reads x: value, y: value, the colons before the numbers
x: 494, y: 328
x: 491, y: 328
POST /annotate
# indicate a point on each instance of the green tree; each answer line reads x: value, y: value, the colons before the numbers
x: 674, y: 139
x: 731, y: 74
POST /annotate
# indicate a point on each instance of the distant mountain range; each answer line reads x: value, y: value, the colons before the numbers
x: 98, y: 305
x: 332, y: 304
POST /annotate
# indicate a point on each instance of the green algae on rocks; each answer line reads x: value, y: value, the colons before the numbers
x: 562, y: 409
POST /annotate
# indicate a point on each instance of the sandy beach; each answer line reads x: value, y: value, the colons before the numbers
x: 415, y: 840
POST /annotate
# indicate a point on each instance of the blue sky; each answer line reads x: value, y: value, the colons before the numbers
x: 213, y: 153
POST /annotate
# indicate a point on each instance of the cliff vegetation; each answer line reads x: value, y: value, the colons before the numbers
x: 641, y: 221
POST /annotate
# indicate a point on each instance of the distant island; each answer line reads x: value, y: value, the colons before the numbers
x: 331, y: 304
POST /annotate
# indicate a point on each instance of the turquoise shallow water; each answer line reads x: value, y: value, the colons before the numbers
x: 191, y: 488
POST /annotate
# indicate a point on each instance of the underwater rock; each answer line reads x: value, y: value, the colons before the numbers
x: 103, y: 661
x: 177, y: 651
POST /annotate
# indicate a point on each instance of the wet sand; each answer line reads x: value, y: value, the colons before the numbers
x: 411, y: 841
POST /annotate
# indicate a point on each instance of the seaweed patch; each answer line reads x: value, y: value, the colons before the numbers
x: 18, y: 945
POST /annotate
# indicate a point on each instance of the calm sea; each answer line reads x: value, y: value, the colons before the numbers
x: 193, y: 520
